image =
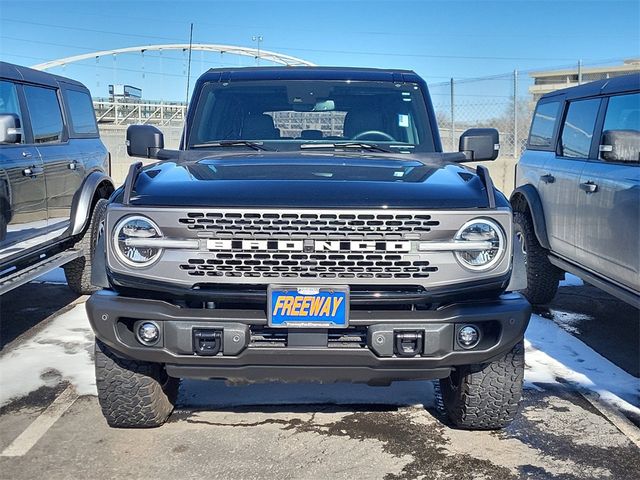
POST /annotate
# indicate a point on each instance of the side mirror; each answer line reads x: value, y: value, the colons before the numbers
x: 479, y: 144
x: 620, y: 146
x: 10, y: 131
x: 144, y: 141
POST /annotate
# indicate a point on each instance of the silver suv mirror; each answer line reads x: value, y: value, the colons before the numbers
x: 10, y: 131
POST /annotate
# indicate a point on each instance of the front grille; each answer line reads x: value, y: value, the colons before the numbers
x: 390, y: 226
x: 307, y: 265
x: 325, y: 226
x: 257, y: 246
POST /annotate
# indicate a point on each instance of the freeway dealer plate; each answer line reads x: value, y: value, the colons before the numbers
x: 308, y: 307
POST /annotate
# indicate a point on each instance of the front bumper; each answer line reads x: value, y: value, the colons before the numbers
x: 362, y: 353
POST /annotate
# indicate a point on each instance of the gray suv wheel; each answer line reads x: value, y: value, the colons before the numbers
x: 542, y: 277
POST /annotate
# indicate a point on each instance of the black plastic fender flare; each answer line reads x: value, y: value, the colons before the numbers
x: 534, y: 203
x: 6, y: 207
x: 83, y: 199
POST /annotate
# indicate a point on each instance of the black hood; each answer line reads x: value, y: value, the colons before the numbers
x: 302, y: 179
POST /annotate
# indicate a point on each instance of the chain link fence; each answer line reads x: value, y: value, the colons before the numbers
x: 506, y: 102
x: 503, y: 102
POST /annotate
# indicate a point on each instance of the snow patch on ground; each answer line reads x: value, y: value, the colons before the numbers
x: 571, y: 281
x: 569, y: 321
x: 554, y: 354
x: 62, y: 349
x: 54, y: 276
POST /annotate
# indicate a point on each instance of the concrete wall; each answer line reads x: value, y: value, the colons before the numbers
x: 114, y: 138
x: 502, y: 170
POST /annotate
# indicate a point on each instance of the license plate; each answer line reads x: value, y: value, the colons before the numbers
x: 308, y: 307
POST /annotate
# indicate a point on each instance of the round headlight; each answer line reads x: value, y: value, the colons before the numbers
x: 128, y: 234
x: 486, y: 244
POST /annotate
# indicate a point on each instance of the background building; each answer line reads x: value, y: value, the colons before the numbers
x: 550, y: 80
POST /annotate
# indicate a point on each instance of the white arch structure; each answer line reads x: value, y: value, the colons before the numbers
x: 205, y: 47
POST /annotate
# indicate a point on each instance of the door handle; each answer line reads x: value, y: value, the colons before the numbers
x: 548, y: 178
x: 589, y: 187
x: 32, y: 171
x: 26, y: 154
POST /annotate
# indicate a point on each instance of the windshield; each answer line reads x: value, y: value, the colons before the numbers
x: 290, y: 114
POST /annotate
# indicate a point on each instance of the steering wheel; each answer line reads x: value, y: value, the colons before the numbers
x: 374, y: 133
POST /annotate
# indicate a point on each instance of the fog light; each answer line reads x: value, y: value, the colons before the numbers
x: 468, y: 336
x: 148, y: 333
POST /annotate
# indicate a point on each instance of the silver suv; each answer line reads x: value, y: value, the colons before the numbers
x: 577, y: 201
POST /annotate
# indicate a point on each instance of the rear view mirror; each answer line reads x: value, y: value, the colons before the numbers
x: 479, y: 144
x: 144, y: 141
x: 10, y: 131
x: 620, y: 146
x: 324, y: 106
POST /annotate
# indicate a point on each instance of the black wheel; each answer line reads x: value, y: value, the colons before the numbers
x: 543, y: 278
x: 133, y: 394
x: 78, y: 271
x: 484, y: 397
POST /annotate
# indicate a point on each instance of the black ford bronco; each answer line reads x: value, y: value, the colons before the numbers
x: 309, y: 229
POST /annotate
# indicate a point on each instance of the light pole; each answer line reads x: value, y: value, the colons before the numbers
x: 257, y: 38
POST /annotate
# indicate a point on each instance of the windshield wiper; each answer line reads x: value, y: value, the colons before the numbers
x: 353, y: 145
x: 231, y: 143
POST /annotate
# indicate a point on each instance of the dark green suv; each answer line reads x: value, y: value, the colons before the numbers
x: 53, y: 177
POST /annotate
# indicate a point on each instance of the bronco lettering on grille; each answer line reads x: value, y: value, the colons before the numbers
x: 301, y: 246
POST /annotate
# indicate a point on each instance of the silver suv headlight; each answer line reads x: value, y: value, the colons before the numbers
x: 129, y: 238
x: 486, y: 241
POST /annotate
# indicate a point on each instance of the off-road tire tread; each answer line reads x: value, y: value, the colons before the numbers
x: 78, y: 271
x: 543, y: 278
x: 130, y: 392
x: 486, y: 398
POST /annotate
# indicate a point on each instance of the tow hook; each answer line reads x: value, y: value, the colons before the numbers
x: 207, y: 341
x: 408, y: 343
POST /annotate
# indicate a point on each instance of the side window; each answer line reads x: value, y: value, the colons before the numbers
x: 544, y: 121
x: 45, y: 114
x: 577, y: 130
x: 9, y: 104
x: 621, y: 131
x: 83, y: 119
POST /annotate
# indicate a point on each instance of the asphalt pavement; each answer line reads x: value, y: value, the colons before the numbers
x: 564, y: 430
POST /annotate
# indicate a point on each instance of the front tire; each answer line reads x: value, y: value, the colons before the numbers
x: 78, y: 271
x: 543, y: 278
x: 133, y: 394
x: 485, y: 397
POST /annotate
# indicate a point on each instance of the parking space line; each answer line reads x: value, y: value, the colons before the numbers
x: 622, y: 423
x: 34, y: 432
